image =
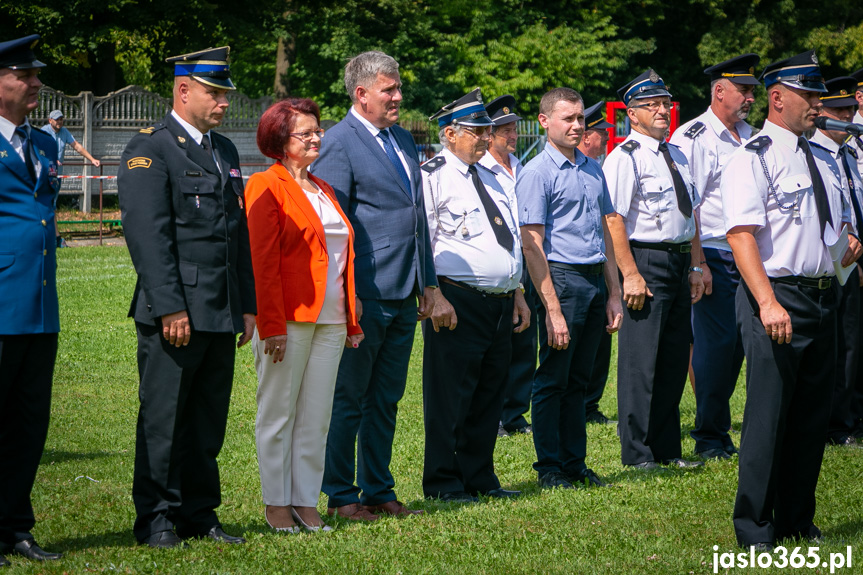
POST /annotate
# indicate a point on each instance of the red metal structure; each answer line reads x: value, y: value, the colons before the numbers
x: 615, y: 113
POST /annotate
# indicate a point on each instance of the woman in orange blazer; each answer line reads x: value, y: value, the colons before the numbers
x: 302, y: 255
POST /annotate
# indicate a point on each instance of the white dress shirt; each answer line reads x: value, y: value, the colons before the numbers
x: 7, y: 130
x: 789, y: 240
x: 837, y: 152
x: 506, y: 180
x: 650, y: 209
x: 463, y: 242
x: 707, y: 153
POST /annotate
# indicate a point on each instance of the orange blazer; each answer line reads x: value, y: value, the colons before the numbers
x: 289, y: 252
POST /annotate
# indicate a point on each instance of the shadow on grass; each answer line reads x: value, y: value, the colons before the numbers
x: 53, y: 456
x: 123, y: 538
x: 845, y: 530
x: 630, y: 475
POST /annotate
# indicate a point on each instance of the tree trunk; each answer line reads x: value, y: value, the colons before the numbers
x: 285, y: 58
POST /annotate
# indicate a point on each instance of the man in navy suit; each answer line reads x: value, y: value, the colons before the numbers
x: 373, y: 167
x: 29, y: 314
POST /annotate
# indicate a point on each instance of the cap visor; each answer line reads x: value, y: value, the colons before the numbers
x: 483, y: 121
x: 652, y: 94
x: 745, y: 80
x: 27, y: 65
x: 222, y: 83
x: 804, y: 85
x: 840, y: 102
x: 508, y: 119
x: 603, y: 125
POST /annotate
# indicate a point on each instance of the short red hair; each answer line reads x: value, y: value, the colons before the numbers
x: 279, y: 120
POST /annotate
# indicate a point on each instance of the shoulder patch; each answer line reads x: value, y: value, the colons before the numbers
x: 852, y: 151
x: 630, y: 146
x: 151, y: 129
x: 694, y: 130
x: 759, y: 144
x: 139, y: 162
x: 433, y: 164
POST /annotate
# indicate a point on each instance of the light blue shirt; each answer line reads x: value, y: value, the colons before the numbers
x: 63, y: 138
x: 569, y: 200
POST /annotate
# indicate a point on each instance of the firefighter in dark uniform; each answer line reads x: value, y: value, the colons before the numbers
x: 29, y: 314
x: 181, y: 197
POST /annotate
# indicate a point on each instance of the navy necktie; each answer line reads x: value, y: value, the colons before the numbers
x: 853, y: 189
x: 821, y: 202
x: 495, y: 218
x: 28, y: 158
x: 384, y: 135
x: 684, y: 203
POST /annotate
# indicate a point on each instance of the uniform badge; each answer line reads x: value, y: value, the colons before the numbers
x: 814, y: 58
x: 234, y: 173
x: 751, y: 70
x: 654, y: 77
x: 52, y: 170
x: 3, y: 154
x: 42, y: 153
x: 673, y: 166
x: 498, y: 221
x: 181, y: 139
x: 139, y: 162
x: 843, y: 92
x: 505, y: 110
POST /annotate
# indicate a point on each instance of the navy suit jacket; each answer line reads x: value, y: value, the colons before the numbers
x: 28, y: 265
x: 393, y: 258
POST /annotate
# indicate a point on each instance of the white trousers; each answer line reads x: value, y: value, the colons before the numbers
x: 295, y: 403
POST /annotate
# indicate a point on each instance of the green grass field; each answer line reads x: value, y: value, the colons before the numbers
x: 664, y: 522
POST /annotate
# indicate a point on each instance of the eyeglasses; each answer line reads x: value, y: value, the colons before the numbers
x: 655, y: 106
x: 479, y: 132
x: 308, y: 135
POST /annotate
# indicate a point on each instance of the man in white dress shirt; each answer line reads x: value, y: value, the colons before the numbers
x: 475, y: 239
x: 782, y: 200
x: 717, y: 353
x: 656, y: 244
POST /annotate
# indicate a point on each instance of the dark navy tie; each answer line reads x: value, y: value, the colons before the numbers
x: 495, y: 218
x: 28, y: 158
x: 852, y: 188
x: 684, y: 204
x: 818, y: 189
x: 384, y: 135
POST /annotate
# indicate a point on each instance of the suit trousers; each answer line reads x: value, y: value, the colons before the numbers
x: 842, y: 413
x: 295, y: 402
x: 559, y: 434
x: 653, y: 360
x: 522, y: 365
x: 464, y: 377
x: 599, y: 376
x: 370, y: 383
x: 717, y: 353
x: 184, y: 394
x: 788, y: 393
x: 26, y: 373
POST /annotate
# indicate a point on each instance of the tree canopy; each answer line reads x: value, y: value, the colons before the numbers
x: 444, y: 48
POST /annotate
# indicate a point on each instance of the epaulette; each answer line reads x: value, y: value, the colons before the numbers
x: 817, y: 145
x: 151, y: 129
x: 694, y: 130
x: 433, y: 164
x: 630, y: 146
x: 851, y: 151
x: 759, y: 144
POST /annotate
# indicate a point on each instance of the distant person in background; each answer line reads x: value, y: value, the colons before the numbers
x: 593, y: 145
x: 64, y: 137
x: 500, y: 159
x: 29, y: 313
x: 302, y: 255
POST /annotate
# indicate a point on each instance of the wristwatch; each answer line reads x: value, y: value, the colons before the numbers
x: 696, y: 269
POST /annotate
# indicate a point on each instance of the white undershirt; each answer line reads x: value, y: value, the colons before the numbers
x: 337, y: 236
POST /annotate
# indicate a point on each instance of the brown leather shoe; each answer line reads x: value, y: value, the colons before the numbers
x: 394, y: 508
x: 354, y: 512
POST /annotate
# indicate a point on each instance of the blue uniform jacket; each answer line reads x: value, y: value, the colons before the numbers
x: 28, y: 264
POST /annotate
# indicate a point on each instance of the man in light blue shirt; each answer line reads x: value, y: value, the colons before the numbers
x: 563, y: 200
x: 64, y: 137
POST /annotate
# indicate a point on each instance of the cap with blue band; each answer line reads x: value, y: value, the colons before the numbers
x: 647, y: 85
x: 466, y: 111
x: 208, y: 66
x: 801, y: 72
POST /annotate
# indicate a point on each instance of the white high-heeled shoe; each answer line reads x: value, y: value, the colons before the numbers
x: 309, y: 528
x: 294, y: 529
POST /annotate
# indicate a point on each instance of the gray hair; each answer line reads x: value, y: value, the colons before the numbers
x: 441, y: 135
x: 364, y: 68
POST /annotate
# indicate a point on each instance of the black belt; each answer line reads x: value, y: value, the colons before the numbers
x: 468, y: 287
x: 820, y: 283
x: 587, y: 269
x: 683, y: 248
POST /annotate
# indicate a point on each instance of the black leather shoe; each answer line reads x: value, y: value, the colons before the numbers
x: 844, y: 441
x: 456, y: 497
x: 587, y: 478
x: 164, y: 540
x: 501, y: 432
x: 645, y: 465
x: 554, y: 479
x: 501, y: 493
x: 4, y: 562
x: 30, y: 549
x: 716, y: 453
x: 599, y: 417
x: 683, y: 463
x: 730, y: 449
x: 216, y: 533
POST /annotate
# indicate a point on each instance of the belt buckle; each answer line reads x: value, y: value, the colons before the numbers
x: 823, y: 283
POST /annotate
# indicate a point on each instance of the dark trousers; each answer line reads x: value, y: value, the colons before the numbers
x: 717, y: 353
x: 370, y: 383
x: 788, y: 391
x: 464, y: 372
x: 559, y: 434
x: 843, y: 417
x: 653, y: 360
x: 522, y: 365
x: 599, y: 377
x: 26, y: 373
x: 184, y: 394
